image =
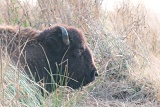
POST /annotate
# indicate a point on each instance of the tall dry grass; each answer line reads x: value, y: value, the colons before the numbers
x: 138, y: 27
x: 124, y: 42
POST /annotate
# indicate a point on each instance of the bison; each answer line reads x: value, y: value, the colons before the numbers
x: 57, y: 54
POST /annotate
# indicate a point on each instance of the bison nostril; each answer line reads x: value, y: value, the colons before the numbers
x: 96, y: 73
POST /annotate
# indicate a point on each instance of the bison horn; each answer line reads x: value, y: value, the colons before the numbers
x: 65, y: 37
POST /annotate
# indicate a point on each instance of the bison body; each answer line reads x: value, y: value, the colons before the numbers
x: 57, y: 53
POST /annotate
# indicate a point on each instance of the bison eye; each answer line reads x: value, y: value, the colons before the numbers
x: 78, y: 52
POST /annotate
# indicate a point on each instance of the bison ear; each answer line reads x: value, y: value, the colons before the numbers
x: 55, y: 38
x: 65, y: 37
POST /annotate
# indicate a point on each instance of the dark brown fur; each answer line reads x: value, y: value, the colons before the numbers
x: 44, y: 54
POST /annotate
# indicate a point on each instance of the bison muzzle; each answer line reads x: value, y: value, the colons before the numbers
x: 57, y: 53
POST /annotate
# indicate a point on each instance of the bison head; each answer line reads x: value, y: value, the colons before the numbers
x: 67, y: 53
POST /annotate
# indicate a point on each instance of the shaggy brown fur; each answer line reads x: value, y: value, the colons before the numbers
x: 45, y: 55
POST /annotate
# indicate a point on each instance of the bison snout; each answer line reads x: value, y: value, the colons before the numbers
x: 92, y: 75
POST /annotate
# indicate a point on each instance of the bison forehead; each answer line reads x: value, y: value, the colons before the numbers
x: 76, y: 37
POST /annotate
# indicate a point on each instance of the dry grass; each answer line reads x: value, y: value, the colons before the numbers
x: 125, y: 44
